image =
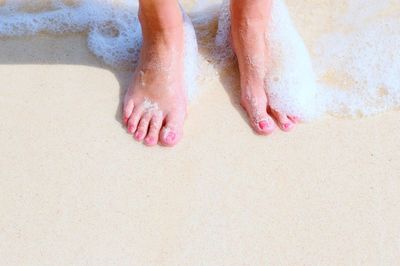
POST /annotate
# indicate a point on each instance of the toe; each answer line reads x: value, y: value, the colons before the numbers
x: 134, y: 119
x: 294, y: 119
x: 172, y: 131
x: 260, y: 120
x: 143, y: 127
x: 284, y: 122
x: 154, y: 130
x: 127, y: 110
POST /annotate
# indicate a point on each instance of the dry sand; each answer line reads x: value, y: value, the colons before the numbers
x: 76, y: 189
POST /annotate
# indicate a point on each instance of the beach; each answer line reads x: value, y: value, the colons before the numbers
x: 76, y: 189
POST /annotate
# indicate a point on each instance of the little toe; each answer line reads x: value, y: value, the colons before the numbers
x: 143, y: 127
x: 154, y: 130
x: 284, y: 122
x: 172, y: 131
x: 294, y: 119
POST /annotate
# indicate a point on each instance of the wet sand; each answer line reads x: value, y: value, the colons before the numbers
x: 76, y: 189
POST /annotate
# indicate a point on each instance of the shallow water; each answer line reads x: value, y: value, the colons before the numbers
x: 349, y: 65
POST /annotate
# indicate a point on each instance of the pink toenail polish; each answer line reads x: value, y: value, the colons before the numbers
x: 138, y: 135
x: 287, y: 126
x: 130, y: 129
x: 171, y: 137
x: 295, y: 119
x: 263, y: 124
x: 150, y: 140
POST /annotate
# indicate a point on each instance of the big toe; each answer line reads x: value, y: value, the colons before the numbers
x: 172, y: 131
x: 260, y: 120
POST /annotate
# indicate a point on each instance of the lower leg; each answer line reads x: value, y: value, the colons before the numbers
x: 162, y: 24
x: 159, y: 16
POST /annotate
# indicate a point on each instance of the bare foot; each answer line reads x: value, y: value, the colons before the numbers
x: 155, y: 104
x: 250, y: 46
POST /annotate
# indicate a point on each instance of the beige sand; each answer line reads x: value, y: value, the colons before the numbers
x: 75, y: 189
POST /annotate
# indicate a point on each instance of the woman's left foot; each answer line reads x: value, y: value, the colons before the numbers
x: 250, y: 46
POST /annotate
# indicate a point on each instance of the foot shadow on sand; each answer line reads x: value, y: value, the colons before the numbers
x: 66, y: 49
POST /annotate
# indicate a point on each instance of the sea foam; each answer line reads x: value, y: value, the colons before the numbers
x: 358, y: 62
x: 351, y: 69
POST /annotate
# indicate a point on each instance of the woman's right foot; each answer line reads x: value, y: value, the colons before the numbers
x: 155, y: 104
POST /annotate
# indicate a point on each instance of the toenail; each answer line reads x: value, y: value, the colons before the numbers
x: 295, y: 118
x: 138, y: 135
x: 171, y: 136
x: 130, y: 129
x: 287, y: 125
x: 150, y: 140
x: 263, y: 124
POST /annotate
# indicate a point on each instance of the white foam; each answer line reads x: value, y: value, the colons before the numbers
x: 353, y: 71
x: 358, y: 64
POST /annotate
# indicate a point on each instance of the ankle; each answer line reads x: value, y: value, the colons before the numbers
x: 244, y: 11
x: 160, y: 17
x: 161, y: 25
x: 165, y: 31
x: 166, y: 39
